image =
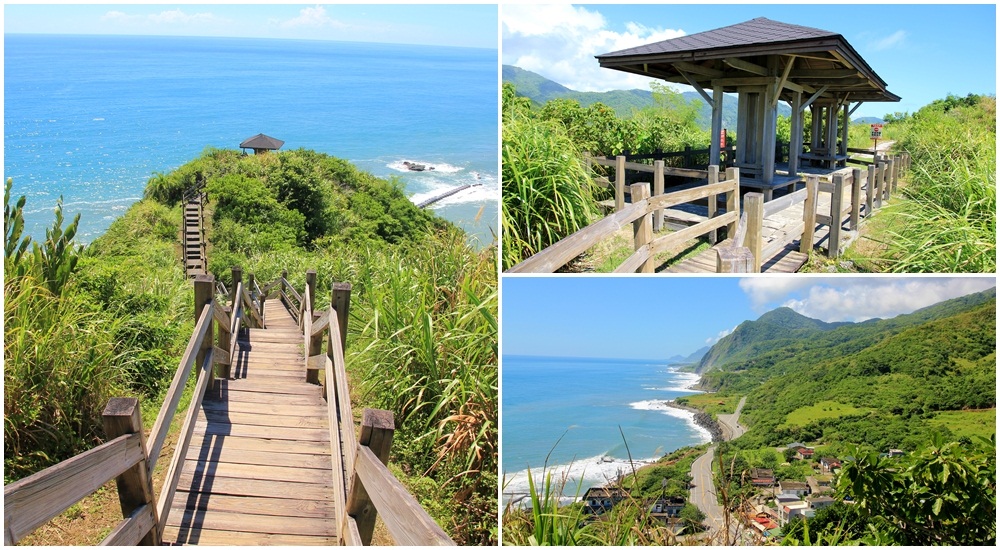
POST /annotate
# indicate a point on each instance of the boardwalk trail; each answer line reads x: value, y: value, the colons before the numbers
x: 259, y: 469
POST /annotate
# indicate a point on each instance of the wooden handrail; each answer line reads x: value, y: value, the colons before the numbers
x: 561, y: 252
x: 34, y: 500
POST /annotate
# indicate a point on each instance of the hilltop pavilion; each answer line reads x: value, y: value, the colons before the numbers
x: 765, y: 61
x: 261, y: 144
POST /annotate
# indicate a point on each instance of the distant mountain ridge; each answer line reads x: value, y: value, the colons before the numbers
x: 784, y: 329
x: 624, y: 102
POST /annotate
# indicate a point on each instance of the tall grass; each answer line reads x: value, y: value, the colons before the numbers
x: 949, y: 224
x: 61, y: 365
x: 547, y: 192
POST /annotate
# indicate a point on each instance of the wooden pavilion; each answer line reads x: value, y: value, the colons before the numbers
x: 261, y: 143
x: 765, y: 61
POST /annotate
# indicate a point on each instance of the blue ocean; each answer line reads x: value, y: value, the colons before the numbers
x: 573, y: 412
x: 91, y: 118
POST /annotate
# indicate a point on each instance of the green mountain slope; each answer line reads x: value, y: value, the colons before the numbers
x: 883, y: 382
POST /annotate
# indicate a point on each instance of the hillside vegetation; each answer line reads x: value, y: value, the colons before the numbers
x: 422, y: 337
x: 881, y: 383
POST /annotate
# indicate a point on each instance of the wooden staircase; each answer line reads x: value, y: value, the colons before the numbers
x: 259, y: 468
x: 193, y: 237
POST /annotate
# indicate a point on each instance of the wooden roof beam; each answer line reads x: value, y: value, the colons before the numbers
x: 747, y: 66
x: 814, y: 97
x: 694, y: 68
x: 824, y: 73
x: 781, y: 82
x: 696, y: 86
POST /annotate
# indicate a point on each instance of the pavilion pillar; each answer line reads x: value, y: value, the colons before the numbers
x: 715, y: 149
x: 845, y: 124
x: 742, y: 131
x: 760, y: 145
x: 831, y: 130
x: 769, y: 128
x: 795, y: 143
x: 817, y: 125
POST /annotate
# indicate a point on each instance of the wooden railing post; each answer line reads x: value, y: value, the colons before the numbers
x: 855, y: 198
x: 879, y: 183
x: 836, y: 221
x: 204, y: 288
x: 642, y: 228
x: 809, y: 214
x: 890, y: 178
x: 753, y: 205
x: 619, y: 182
x: 732, y: 198
x: 135, y: 486
x: 315, y: 342
x: 658, y: 190
x: 340, y: 302
x: 377, y: 427
x: 237, y: 279
x: 713, y: 204
x: 870, y: 191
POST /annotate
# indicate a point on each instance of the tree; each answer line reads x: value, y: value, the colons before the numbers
x: 945, y: 494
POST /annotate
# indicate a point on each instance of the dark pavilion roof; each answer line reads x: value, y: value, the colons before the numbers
x: 260, y: 141
x: 739, y: 55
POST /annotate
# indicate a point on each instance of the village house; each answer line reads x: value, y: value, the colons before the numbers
x: 601, y: 499
x: 828, y: 464
x: 818, y: 502
x: 820, y: 484
x: 761, y: 477
x: 792, y: 489
x: 792, y: 509
x: 804, y: 453
x: 667, y: 508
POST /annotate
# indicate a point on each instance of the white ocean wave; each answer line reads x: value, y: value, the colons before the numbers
x: 572, y: 479
x: 663, y: 407
x: 429, y: 167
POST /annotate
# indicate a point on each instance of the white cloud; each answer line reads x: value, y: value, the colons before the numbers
x: 895, y: 39
x: 311, y: 17
x: 852, y: 299
x: 720, y: 336
x: 560, y: 42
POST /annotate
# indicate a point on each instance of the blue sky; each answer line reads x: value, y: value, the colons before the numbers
x: 440, y: 25
x: 923, y: 52
x: 659, y: 317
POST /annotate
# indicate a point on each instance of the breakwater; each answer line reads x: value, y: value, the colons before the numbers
x: 702, y: 419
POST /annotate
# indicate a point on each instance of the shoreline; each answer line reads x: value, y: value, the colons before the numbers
x: 702, y: 419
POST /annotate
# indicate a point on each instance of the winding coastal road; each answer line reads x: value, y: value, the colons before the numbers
x: 703, y: 494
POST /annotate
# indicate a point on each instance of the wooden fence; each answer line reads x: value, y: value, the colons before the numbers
x: 640, y: 215
x: 363, y: 482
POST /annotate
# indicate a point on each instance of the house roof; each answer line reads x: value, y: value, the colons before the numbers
x: 261, y: 141
x: 792, y: 485
x: 605, y: 492
x: 821, y: 61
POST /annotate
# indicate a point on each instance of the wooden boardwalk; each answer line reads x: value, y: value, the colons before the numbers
x: 195, y: 262
x: 258, y: 470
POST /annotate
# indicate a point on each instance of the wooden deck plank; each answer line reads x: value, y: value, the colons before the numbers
x: 213, y: 469
x: 243, y: 443
x: 251, y: 523
x: 213, y: 537
x: 262, y: 419
x: 237, y: 456
x: 275, y: 399
x: 263, y: 432
x: 298, y: 387
x: 256, y: 488
x: 298, y: 411
x: 254, y: 505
